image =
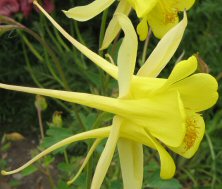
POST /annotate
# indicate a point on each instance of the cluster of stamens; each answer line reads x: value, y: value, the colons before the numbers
x: 191, y: 133
x: 170, y: 16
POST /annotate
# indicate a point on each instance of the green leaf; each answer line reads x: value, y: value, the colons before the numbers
x: 218, y: 186
x: 29, y: 170
x: 5, y: 147
x: 48, y: 160
x: 155, y: 181
x: 3, y: 163
x: 14, y: 183
x: 54, y: 135
x: 67, y: 168
x: 63, y: 185
x: 116, y: 184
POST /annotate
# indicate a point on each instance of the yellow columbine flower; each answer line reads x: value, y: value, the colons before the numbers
x: 149, y: 111
x: 161, y: 15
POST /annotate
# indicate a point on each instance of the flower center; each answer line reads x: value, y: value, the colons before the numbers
x: 191, y: 133
x: 170, y: 13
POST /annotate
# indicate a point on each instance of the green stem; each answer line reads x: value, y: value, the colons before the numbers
x: 36, y: 80
x: 102, y: 29
x: 79, y: 36
x: 49, y: 50
x: 66, y: 157
x: 47, y: 173
x: 51, y: 181
x: 89, y: 170
x: 191, y: 177
x: 101, y: 37
x: 32, y: 49
x: 146, y: 47
x: 214, y: 176
x: 60, y: 40
x: 78, y: 117
x: 53, y: 39
x: 29, y: 67
x: 100, y: 118
x: 40, y: 123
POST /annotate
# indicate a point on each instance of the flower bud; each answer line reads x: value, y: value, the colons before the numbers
x: 40, y: 103
x: 57, y: 119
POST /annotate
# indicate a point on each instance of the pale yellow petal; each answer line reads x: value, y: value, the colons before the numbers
x: 182, y: 70
x: 89, y: 154
x: 84, y: 13
x: 108, y: 104
x: 114, y: 28
x: 98, y: 133
x: 181, y: 5
x: 142, y: 29
x: 98, y: 60
x: 142, y: 87
x: 127, y: 55
x: 152, y: 113
x: 194, y: 135
x: 164, y: 50
x: 162, y: 18
x: 131, y: 162
x: 198, y: 92
x: 135, y: 133
x: 168, y: 167
x: 143, y: 7
x: 107, y: 155
x: 162, y: 115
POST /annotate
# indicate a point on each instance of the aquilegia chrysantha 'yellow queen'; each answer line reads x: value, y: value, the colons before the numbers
x: 149, y: 111
x: 161, y: 15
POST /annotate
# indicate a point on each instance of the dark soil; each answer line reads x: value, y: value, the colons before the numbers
x: 17, y: 155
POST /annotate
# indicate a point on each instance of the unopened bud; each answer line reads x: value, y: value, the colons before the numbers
x: 57, y: 119
x: 40, y: 103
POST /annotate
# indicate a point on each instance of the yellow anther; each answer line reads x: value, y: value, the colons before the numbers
x: 191, y: 133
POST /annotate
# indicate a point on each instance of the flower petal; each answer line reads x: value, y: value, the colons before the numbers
x: 89, y: 154
x: 144, y: 86
x: 142, y: 29
x: 182, y: 70
x: 98, y: 133
x: 162, y: 115
x: 181, y: 5
x: 135, y: 133
x: 168, y: 167
x: 114, y: 28
x: 164, y: 50
x: 131, y: 162
x: 198, y: 92
x: 84, y: 13
x: 107, y: 104
x: 98, y: 60
x: 194, y: 135
x: 162, y: 18
x: 127, y: 55
x: 107, y: 154
x: 142, y: 7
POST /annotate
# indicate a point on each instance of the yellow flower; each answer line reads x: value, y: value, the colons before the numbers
x: 161, y: 15
x: 149, y: 111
